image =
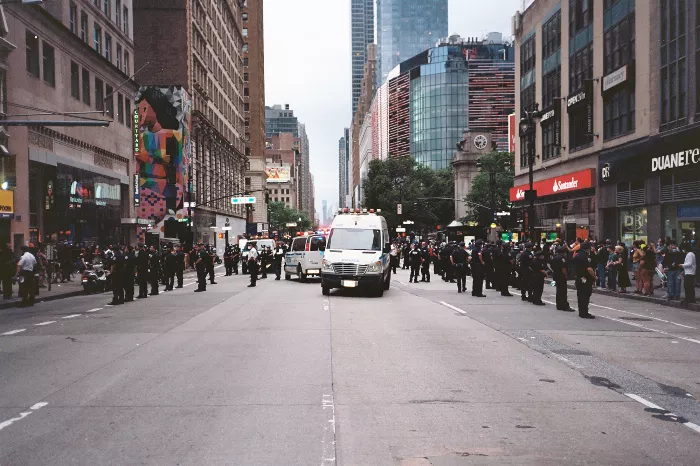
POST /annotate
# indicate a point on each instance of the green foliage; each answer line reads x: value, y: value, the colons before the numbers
x: 494, y: 196
x: 401, y: 180
x: 280, y: 215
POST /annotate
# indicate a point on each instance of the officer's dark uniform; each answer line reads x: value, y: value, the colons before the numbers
x: 264, y: 260
x: 154, y: 268
x: 459, y: 258
x: 179, y: 266
x: 405, y: 251
x: 170, y: 268
x: 163, y: 269
x: 414, y: 257
x: 524, y: 273
x: 538, y: 266
x: 211, y: 254
x: 487, y: 256
x: 277, y: 257
x: 584, y: 279
x: 201, y: 267
x: 559, y: 275
x: 425, y: 266
x: 478, y: 270
x: 117, y: 277
x: 437, y: 267
x: 228, y: 261
x: 235, y: 257
x: 448, y: 272
x: 129, y: 269
x: 504, y: 264
x: 142, y: 266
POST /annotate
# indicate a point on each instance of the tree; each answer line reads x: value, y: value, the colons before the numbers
x: 400, y: 180
x: 491, y: 187
x: 280, y: 214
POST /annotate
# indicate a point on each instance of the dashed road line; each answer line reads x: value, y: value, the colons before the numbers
x: 453, y: 308
x: 22, y: 415
x: 72, y: 316
x: 45, y: 323
x: 94, y: 310
x: 13, y: 332
x: 664, y: 412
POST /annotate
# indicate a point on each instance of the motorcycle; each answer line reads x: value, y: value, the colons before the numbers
x: 95, y: 279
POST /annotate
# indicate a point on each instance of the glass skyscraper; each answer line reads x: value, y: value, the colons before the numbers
x: 405, y: 28
x: 362, y: 17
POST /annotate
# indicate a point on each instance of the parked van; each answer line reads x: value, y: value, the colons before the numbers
x: 305, y: 256
x: 258, y: 243
x: 357, y: 253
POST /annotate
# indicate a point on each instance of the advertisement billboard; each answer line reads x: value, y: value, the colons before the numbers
x: 278, y: 174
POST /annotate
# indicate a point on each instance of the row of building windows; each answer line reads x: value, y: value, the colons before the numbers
x: 281, y: 191
x: 120, y: 17
x: 102, y: 42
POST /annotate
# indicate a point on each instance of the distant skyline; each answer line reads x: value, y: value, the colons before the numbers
x: 307, y: 65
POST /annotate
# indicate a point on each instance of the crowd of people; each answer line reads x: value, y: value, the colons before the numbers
x: 526, y: 266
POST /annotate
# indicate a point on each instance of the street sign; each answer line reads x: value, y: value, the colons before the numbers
x: 291, y: 225
x: 226, y: 228
x: 400, y: 230
x: 399, y: 209
x: 242, y: 200
x: 188, y: 205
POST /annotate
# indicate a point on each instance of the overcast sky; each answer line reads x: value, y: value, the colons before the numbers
x: 307, y: 65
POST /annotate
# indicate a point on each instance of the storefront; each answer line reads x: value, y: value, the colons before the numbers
x: 565, y: 206
x: 651, y: 189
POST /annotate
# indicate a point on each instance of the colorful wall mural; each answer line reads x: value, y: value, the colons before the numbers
x: 162, y: 148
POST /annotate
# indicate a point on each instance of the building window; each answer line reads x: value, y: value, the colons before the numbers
x: 99, y: 94
x: 246, y: 107
x: 73, y: 18
x: 245, y: 16
x: 579, y: 137
x: 120, y: 107
x: 551, y: 35
x: 619, y: 44
x: 246, y: 92
x: 107, y: 8
x: 619, y: 113
x: 580, y: 68
x: 125, y: 19
x: 245, y: 61
x: 551, y: 88
x: 119, y: 56
x: 108, y: 47
x: 118, y: 12
x: 49, y: 60
x: 245, y: 48
x: 674, y: 80
x: 245, y: 32
x: 550, y: 138
x: 83, y: 26
x: 86, y: 87
x: 74, y: 81
x: 126, y: 64
x: 127, y: 112
x: 109, y: 101
x: 245, y: 77
x: 580, y: 15
x: 527, y: 56
x: 97, y: 39
x: 32, y: 53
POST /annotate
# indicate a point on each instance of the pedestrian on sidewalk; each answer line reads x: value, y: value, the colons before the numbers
x: 689, y: 270
x: 601, y: 264
x: 647, y: 266
x: 25, y: 272
x: 672, y: 267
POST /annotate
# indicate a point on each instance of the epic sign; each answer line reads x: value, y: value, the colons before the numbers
x: 560, y: 184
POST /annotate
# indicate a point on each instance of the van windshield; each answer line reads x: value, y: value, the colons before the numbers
x: 355, y: 239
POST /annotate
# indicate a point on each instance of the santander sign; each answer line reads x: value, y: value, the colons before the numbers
x: 560, y: 184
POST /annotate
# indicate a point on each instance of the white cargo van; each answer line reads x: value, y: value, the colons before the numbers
x: 305, y: 256
x: 357, y: 253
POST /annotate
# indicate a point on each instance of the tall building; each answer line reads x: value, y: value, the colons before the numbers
x: 283, y: 164
x: 197, y: 72
x: 405, y: 28
x: 342, y: 172
x: 67, y: 183
x: 617, y: 155
x: 362, y: 19
x: 305, y: 173
x: 324, y: 212
x: 361, y: 122
x: 280, y: 120
x: 254, y: 108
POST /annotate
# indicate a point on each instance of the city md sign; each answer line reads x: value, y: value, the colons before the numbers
x: 558, y: 185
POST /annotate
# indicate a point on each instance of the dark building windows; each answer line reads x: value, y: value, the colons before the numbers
x: 619, y: 112
x: 674, y: 79
x: 98, y: 39
x: 84, y: 26
x: 580, y: 15
x: 73, y: 18
x: 619, y: 44
x: 619, y: 53
x: 120, y: 106
x: 99, y: 94
x: 109, y: 101
x: 551, y: 87
x: 527, y: 85
x: 49, y: 60
x: 74, y: 81
x: 580, y: 68
x: 86, y: 87
x: 551, y: 35
x: 32, y: 41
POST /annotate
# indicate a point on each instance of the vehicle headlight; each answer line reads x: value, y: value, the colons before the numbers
x: 326, y: 264
x: 374, y: 267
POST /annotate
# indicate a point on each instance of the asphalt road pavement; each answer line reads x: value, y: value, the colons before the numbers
x: 281, y: 375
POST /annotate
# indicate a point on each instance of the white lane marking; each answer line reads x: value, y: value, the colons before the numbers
x: 328, y: 439
x: 13, y: 332
x: 453, y: 308
x: 400, y: 282
x: 94, y: 310
x: 45, y: 323
x: 22, y: 415
x: 651, y: 405
x: 72, y: 316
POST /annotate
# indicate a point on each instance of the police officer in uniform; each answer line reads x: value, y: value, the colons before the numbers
x: 459, y: 259
x: 447, y: 265
x: 170, y: 268
x: 524, y: 272
x: 504, y: 266
x: 117, y: 276
x: 142, y: 260
x: 538, y: 267
x: 154, y: 269
x: 129, y: 270
x: 405, y: 251
x: 560, y: 275
x: 200, y: 266
x: 277, y: 257
x: 476, y: 261
x: 487, y: 256
x: 264, y: 261
x: 415, y: 258
x: 179, y: 265
x: 228, y: 261
x: 585, y: 278
x: 211, y: 256
x: 427, y: 256
x: 235, y: 258
x: 253, y: 265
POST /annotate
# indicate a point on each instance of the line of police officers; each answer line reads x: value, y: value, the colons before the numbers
x: 499, y: 266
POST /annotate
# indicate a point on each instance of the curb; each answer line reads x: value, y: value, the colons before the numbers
x: 40, y: 299
x: 635, y: 297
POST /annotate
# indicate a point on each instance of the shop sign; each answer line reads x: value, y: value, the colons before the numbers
x: 550, y: 113
x: 137, y: 191
x: 688, y: 211
x: 676, y: 160
x: 7, y: 204
x: 618, y: 76
x: 136, y: 132
x: 560, y: 184
x: 584, y: 98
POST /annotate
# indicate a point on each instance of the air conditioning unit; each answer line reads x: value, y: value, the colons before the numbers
x: 517, y: 23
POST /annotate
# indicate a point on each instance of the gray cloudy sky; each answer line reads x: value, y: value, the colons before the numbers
x: 307, y: 65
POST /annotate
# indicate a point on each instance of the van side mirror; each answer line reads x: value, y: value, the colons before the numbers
x: 387, y: 248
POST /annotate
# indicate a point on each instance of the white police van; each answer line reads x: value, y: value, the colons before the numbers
x: 357, y: 252
x: 305, y: 256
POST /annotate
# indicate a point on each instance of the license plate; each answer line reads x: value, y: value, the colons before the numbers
x: 349, y: 283
x: 313, y: 272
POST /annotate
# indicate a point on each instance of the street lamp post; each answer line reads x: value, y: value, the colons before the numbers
x: 527, y: 131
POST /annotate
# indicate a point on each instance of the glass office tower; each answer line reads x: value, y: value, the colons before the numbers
x: 362, y: 17
x: 405, y: 28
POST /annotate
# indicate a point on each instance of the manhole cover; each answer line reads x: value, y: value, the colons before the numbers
x: 638, y: 319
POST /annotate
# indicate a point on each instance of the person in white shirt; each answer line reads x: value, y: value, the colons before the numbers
x: 253, y: 265
x: 25, y: 269
x: 689, y: 268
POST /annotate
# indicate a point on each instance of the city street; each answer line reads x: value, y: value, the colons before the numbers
x: 281, y: 375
